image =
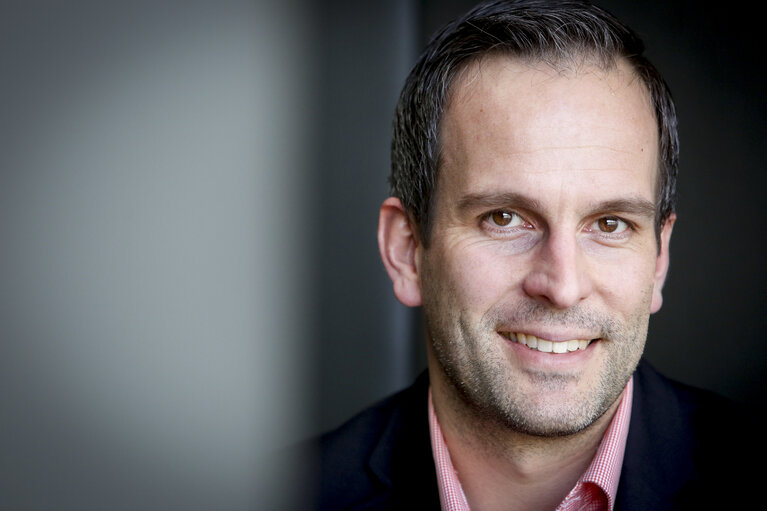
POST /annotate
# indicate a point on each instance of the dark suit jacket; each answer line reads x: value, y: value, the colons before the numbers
x: 679, y: 453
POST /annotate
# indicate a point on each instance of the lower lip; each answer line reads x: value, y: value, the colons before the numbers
x: 550, y: 360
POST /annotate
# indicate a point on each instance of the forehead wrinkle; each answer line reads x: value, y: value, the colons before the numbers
x: 574, y: 147
x: 458, y: 158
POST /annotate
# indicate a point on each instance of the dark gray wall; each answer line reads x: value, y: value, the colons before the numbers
x: 710, y: 330
x: 364, y: 345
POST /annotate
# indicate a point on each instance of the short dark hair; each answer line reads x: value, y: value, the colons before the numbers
x: 556, y: 32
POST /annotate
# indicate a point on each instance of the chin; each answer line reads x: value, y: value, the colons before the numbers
x: 540, y: 415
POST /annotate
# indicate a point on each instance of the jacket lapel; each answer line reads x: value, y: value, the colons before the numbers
x: 402, y: 461
x: 658, y: 460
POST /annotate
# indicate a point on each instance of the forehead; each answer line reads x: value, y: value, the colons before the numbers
x: 510, y: 122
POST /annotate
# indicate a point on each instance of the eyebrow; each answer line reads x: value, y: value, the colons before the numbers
x: 632, y: 205
x: 497, y: 200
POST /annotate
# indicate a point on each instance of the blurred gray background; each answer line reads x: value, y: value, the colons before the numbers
x: 189, y: 194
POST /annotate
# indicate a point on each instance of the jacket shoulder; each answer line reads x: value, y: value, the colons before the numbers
x: 346, y: 450
x: 681, y: 451
x: 380, y: 456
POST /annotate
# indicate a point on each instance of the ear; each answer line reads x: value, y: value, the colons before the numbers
x: 661, y: 264
x: 397, y: 241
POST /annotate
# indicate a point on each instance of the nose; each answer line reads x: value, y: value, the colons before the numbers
x: 559, y: 274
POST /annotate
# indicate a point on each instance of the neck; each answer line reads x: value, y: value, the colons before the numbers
x: 498, y: 465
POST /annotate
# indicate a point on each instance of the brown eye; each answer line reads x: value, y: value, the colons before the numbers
x: 501, y: 218
x: 504, y: 219
x: 610, y: 224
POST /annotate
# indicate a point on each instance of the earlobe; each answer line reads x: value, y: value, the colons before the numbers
x: 662, y: 264
x: 397, y: 241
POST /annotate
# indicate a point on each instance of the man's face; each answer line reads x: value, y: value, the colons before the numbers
x: 543, y: 234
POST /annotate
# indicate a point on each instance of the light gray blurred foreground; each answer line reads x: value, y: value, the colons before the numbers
x: 152, y: 214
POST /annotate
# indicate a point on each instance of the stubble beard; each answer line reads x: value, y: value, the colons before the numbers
x: 473, y: 362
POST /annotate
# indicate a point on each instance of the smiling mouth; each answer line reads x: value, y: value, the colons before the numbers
x: 546, y: 346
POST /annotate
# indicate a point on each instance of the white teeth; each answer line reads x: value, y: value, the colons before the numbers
x: 545, y: 345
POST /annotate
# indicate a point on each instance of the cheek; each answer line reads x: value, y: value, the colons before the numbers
x: 479, y: 273
x: 624, y: 280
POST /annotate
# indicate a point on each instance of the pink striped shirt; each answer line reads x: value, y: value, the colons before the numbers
x: 594, y: 491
